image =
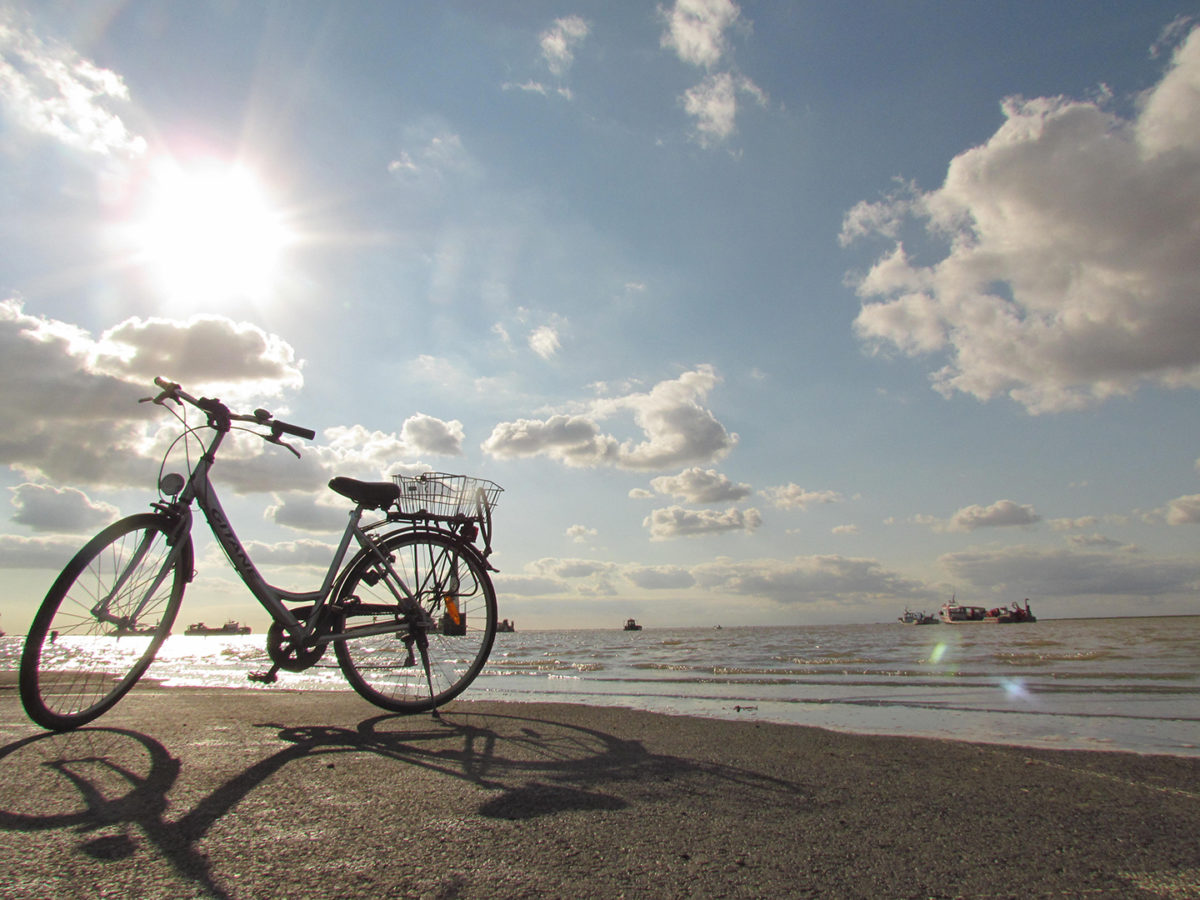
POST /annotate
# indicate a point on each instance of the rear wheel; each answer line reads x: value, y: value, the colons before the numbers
x: 102, y: 622
x: 431, y: 656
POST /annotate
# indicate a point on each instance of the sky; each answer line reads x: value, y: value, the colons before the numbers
x: 761, y: 313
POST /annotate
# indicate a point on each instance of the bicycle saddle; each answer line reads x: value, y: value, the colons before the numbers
x: 369, y: 494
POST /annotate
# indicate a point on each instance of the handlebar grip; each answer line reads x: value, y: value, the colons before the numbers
x: 284, y: 428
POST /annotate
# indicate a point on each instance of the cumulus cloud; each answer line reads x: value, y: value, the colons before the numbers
x: 543, y: 341
x: 40, y: 552
x: 80, y: 422
x: 426, y: 434
x: 713, y: 103
x: 205, y: 353
x: 559, y: 42
x: 306, y: 512
x: 677, y: 428
x: 1065, y: 573
x: 49, y: 89
x: 792, y: 496
x: 43, y: 507
x: 809, y: 579
x: 581, y: 534
x: 696, y: 485
x: 76, y: 397
x: 675, y: 521
x: 1001, y: 514
x: 1073, y: 252
x: 660, y: 578
x: 1184, y: 510
x: 695, y: 29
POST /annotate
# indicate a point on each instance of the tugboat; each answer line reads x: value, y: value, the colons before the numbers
x: 230, y: 627
x: 632, y: 625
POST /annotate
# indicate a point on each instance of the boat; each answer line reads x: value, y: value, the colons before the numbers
x: 505, y: 625
x: 921, y: 618
x: 632, y: 625
x: 957, y: 614
x: 230, y: 627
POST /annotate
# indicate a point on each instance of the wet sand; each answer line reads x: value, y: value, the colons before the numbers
x: 274, y: 794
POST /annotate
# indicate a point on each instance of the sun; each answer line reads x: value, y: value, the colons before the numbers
x: 209, y: 234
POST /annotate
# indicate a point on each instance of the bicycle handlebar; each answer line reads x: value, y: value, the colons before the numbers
x: 220, y: 416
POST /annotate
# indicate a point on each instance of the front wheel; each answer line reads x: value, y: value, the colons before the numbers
x: 103, y: 621
x: 437, y: 648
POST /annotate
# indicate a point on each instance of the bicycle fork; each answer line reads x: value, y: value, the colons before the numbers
x: 102, y: 608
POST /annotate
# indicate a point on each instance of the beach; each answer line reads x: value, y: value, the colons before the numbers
x: 188, y: 792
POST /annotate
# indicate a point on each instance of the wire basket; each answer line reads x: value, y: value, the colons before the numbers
x: 443, y: 496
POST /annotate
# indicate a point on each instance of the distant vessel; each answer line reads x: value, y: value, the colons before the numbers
x: 956, y: 614
x: 230, y: 627
x: 921, y: 618
x: 505, y: 625
x: 631, y: 625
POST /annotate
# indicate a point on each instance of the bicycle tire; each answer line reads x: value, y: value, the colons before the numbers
x: 434, y: 566
x: 76, y: 666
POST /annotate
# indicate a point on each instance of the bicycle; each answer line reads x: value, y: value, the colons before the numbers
x: 411, y: 615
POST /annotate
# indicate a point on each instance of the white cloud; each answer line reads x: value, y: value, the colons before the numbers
x: 845, y: 529
x: 46, y: 508
x: 581, y: 534
x: 1073, y: 253
x: 426, y: 434
x: 306, y: 512
x: 713, y: 103
x: 543, y: 341
x: 204, y: 353
x: 696, y: 485
x: 76, y: 397
x: 40, y: 552
x: 1062, y: 573
x: 49, y: 89
x: 560, y: 41
x: 696, y: 30
x: 1001, y: 514
x: 572, y: 440
x: 660, y: 578
x: 675, y: 521
x: 792, y: 496
x: 677, y: 428
x: 809, y: 579
x: 1184, y: 510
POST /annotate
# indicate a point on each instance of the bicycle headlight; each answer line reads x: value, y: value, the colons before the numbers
x: 171, y: 484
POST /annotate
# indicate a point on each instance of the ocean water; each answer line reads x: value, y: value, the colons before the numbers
x: 1128, y: 684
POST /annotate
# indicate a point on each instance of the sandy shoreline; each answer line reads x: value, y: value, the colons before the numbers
x: 215, y: 793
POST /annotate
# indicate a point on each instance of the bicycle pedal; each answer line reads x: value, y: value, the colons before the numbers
x: 263, y: 677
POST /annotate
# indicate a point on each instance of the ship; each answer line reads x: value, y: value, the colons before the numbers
x: 632, y: 625
x: 956, y: 614
x: 230, y: 627
x: 921, y: 618
x: 506, y: 625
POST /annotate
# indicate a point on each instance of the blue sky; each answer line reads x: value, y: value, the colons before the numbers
x: 784, y: 312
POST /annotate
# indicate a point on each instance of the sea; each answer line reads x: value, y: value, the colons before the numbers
x: 1126, y: 684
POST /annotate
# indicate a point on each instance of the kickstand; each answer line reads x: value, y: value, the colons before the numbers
x: 268, y: 677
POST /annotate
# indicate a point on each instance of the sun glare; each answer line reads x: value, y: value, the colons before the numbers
x: 210, y: 235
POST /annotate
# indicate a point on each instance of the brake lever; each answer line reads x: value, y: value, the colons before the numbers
x: 165, y: 395
x: 275, y: 439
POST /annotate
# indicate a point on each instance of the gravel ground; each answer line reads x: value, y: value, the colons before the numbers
x: 275, y: 794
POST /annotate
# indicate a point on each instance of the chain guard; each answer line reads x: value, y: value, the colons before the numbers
x: 286, y: 655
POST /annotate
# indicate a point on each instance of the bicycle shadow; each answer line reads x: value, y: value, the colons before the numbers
x: 114, y: 787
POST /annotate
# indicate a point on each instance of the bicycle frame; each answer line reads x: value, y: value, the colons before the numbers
x: 200, y: 489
